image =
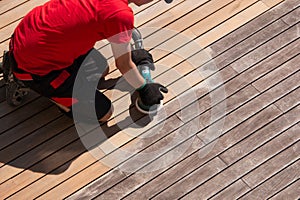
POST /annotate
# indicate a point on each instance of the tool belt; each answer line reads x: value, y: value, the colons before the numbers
x: 44, y: 85
x: 12, y: 65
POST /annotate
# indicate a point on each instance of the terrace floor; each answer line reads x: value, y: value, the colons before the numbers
x: 229, y: 128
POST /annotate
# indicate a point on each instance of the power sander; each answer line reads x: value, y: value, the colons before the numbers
x: 145, y: 71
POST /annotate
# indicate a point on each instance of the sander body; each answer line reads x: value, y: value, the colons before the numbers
x: 145, y: 71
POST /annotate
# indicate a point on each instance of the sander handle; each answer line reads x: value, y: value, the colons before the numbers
x: 137, y: 39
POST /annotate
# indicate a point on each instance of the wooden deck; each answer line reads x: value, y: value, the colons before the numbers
x: 229, y: 128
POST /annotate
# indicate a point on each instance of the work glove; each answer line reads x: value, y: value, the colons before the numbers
x: 142, y: 57
x: 151, y: 93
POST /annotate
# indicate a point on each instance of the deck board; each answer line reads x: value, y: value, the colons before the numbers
x: 143, y: 192
x: 6, y: 5
x: 2, y: 92
x: 289, y: 100
x: 154, y: 185
x: 291, y: 18
x: 257, y: 139
x: 27, y: 127
x: 252, y: 45
x: 271, y: 167
x: 267, y: 49
x: 5, y: 110
x: 290, y: 174
x: 289, y: 191
x: 18, y: 12
x: 11, y: 155
x: 278, y: 74
x: 244, y: 165
x: 157, y: 162
x: 254, y: 28
x: 233, y: 191
x: 23, y: 113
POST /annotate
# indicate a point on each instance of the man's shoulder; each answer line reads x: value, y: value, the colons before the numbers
x: 112, y: 9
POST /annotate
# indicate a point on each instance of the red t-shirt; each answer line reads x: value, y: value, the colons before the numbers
x: 53, y: 35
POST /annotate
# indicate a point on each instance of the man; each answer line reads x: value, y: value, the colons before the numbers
x: 51, y: 42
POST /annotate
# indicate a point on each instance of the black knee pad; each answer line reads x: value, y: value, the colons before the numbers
x: 102, y: 105
x: 84, y: 108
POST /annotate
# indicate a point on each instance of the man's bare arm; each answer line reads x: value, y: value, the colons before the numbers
x: 122, y: 54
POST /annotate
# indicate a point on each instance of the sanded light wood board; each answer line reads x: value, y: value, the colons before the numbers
x: 271, y: 3
x: 183, y: 49
x: 19, y: 12
x: 7, y: 5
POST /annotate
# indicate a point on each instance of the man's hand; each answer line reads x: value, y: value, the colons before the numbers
x: 142, y: 57
x: 151, y: 93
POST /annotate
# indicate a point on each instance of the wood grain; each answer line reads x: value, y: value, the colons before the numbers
x: 266, y: 50
x: 273, y: 166
x: 198, y: 176
x: 6, y: 5
x: 289, y: 100
x: 246, y: 164
x: 278, y: 74
x: 291, y: 18
x: 233, y: 191
x: 19, y: 12
x: 291, y: 192
x: 250, y: 43
x: 23, y: 113
x: 259, y: 138
x: 272, y: 3
x: 252, y: 28
x: 278, y: 182
x: 28, y: 126
x: 167, y: 178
